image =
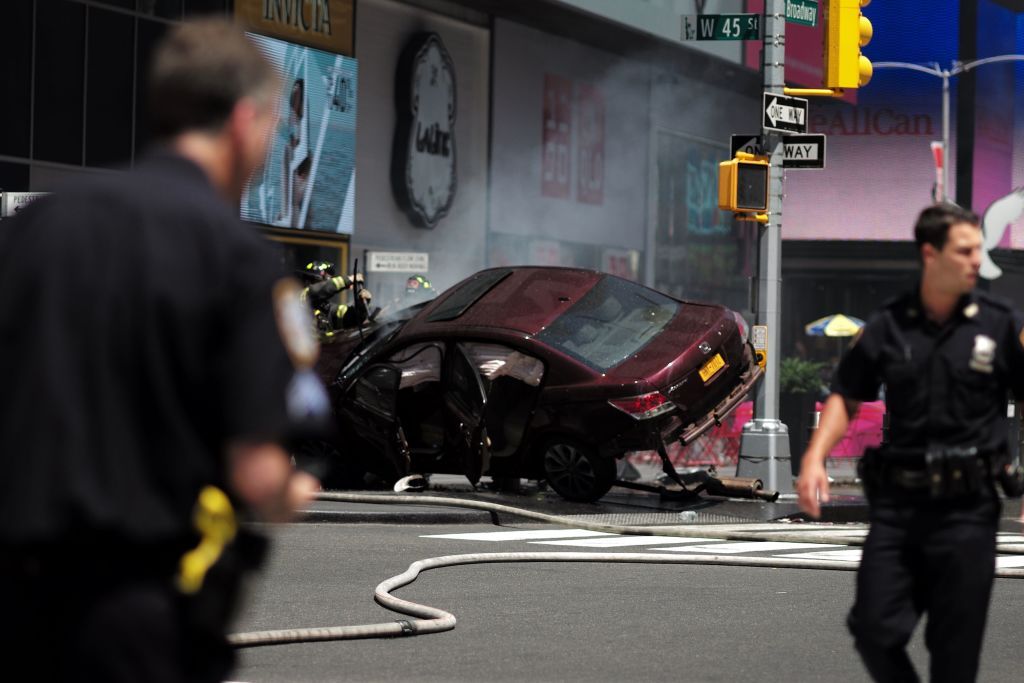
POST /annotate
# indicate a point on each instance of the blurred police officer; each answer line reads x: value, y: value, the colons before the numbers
x: 947, y: 355
x: 148, y: 373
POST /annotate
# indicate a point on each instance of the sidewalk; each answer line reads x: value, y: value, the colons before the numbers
x: 620, y: 506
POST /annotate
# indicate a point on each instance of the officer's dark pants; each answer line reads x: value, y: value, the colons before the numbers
x: 70, y: 621
x: 923, y: 556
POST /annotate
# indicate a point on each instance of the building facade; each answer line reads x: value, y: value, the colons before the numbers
x: 439, y: 137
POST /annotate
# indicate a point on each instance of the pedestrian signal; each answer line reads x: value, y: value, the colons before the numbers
x: 743, y: 184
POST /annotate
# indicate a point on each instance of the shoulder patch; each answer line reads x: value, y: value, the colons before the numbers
x: 295, y: 324
x: 994, y: 301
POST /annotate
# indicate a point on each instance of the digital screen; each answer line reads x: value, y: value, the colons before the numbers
x: 308, y: 180
x: 752, y: 186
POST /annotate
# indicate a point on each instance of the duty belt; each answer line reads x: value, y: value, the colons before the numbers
x: 941, y: 471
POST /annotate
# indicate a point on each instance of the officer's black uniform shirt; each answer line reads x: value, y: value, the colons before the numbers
x: 137, y: 338
x: 944, y: 385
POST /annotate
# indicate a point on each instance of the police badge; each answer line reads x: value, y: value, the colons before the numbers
x: 295, y: 324
x: 983, y: 354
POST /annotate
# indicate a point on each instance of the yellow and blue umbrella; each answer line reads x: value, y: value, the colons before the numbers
x: 837, y: 325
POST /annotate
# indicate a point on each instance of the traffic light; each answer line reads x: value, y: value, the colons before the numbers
x: 846, y: 32
x: 743, y: 184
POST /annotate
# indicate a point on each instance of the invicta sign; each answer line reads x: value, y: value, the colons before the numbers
x: 324, y: 24
x: 307, y: 15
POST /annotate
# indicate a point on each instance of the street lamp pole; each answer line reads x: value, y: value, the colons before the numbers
x: 945, y: 136
x: 945, y: 74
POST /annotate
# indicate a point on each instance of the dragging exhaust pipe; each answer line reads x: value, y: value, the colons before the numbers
x: 739, y: 487
x: 728, y: 487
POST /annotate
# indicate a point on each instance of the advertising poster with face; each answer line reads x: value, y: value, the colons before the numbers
x: 308, y: 179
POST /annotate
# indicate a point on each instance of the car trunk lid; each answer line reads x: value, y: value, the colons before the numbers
x: 692, y: 357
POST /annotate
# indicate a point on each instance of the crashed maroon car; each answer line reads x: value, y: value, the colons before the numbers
x: 532, y: 372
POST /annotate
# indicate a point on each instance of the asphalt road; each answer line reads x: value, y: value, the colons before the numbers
x: 564, y: 622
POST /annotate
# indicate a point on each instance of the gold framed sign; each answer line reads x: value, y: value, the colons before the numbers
x: 324, y: 24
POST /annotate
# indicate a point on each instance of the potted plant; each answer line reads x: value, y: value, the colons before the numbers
x: 800, y: 383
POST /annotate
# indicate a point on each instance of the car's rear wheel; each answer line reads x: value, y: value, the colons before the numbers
x: 576, y: 472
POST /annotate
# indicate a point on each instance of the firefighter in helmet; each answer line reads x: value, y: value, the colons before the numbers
x: 418, y: 289
x: 320, y: 294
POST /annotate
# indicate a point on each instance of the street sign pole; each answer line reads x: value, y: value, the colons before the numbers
x: 764, y: 445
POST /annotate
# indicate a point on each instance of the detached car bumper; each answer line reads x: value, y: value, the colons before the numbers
x: 751, y: 374
x: 670, y: 427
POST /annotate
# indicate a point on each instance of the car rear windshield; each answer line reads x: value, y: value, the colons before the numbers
x: 459, y: 301
x: 612, y: 321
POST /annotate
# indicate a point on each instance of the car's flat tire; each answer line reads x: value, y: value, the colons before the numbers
x: 576, y: 472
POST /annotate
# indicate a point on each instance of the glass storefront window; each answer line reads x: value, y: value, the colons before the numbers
x: 701, y: 253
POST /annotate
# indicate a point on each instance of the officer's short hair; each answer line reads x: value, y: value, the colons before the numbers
x: 933, y: 223
x: 199, y: 71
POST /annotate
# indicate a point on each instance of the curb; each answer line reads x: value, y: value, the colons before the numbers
x: 398, y: 515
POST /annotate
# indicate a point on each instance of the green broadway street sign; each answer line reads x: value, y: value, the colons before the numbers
x: 721, y: 27
x: 803, y: 12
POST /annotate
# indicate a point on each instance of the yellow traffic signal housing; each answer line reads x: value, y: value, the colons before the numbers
x: 846, y: 32
x: 743, y: 184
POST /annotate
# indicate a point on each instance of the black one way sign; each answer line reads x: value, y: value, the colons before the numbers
x: 798, y: 151
x: 785, y: 114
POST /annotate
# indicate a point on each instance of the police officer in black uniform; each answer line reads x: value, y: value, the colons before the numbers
x: 948, y: 355
x: 143, y: 380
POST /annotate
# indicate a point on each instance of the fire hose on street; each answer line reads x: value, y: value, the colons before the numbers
x: 425, y: 619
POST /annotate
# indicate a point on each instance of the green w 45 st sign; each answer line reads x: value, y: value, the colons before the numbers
x: 721, y: 27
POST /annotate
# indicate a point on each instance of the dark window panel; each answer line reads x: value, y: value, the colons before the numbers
x: 123, y: 4
x: 149, y: 34
x: 205, y: 6
x: 14, y: 177
x: 60, y: 59
x: 16, y: 78
x: 109, y: 94
x: 168, y: 9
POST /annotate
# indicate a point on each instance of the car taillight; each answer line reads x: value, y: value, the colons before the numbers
x: 742, y: 324
x: 644, y: 407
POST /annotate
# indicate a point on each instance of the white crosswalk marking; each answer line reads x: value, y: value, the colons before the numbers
x: 746, y: 547
x: 1010, y: 538
x: 1009, y: 561
x: 836, y: 551
x: 622, y: 541
x: 847, y: 555
x: 526, y: 535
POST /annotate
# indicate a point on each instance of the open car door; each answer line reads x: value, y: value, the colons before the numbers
x: 465, y: 399
x: 369, y: 410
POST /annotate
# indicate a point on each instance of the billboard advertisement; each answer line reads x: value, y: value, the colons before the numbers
x: 308, y: 179
x: 881, y: 166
